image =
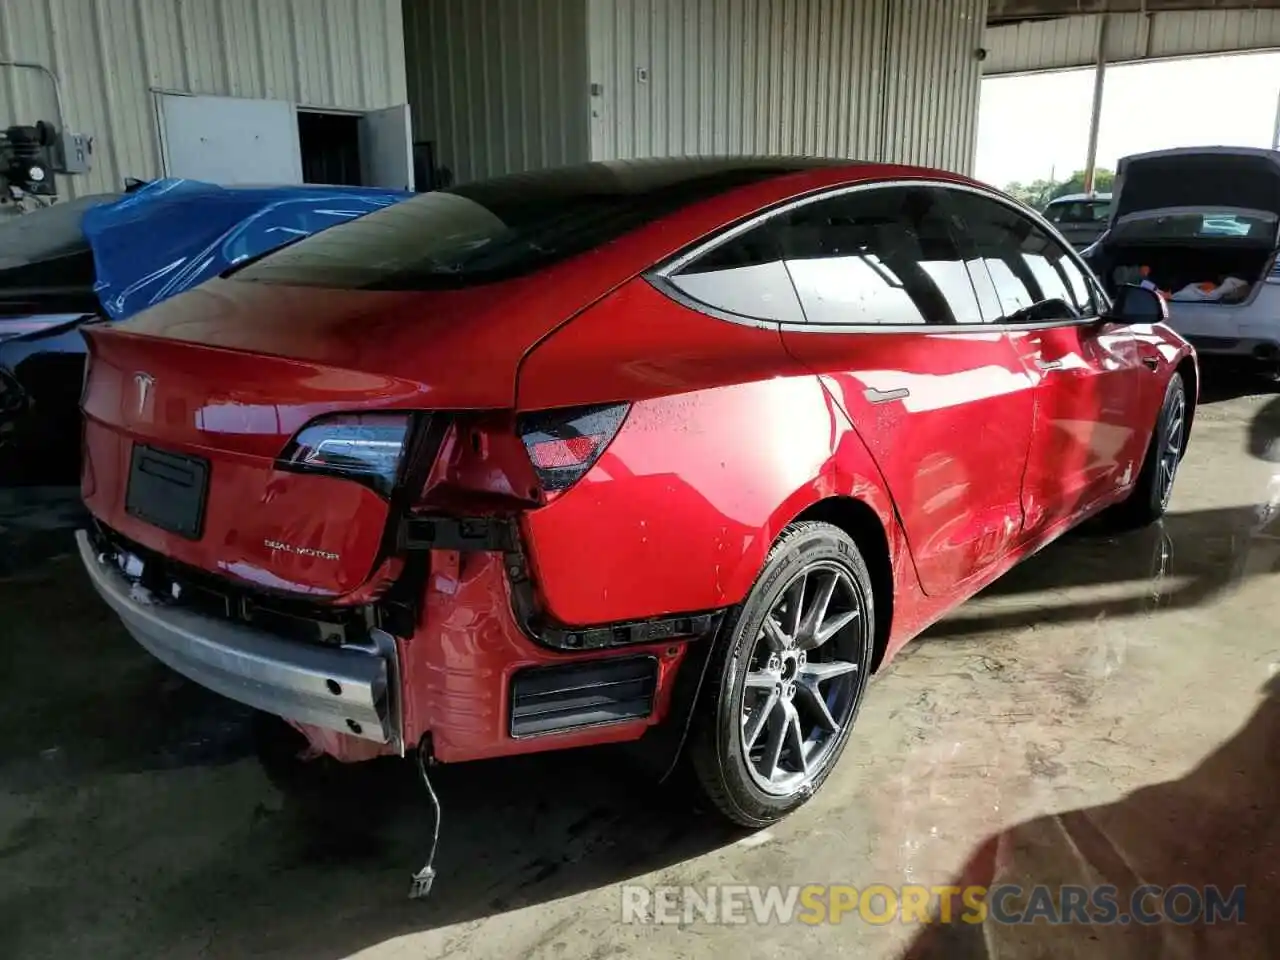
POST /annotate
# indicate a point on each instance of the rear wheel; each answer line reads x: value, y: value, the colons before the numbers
x: 1149, y: 499
x: 790, y: 677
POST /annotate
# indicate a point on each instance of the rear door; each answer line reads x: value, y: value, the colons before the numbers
x: 1088, y: 375
x: 893, y: 328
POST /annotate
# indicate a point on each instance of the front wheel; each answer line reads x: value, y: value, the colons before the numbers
x: 790, y: 677
x: 1149, y: 499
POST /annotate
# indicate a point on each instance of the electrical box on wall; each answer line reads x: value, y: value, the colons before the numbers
x: 72, y: 152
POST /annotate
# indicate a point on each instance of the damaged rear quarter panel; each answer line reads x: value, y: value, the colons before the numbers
x: 679, y: 512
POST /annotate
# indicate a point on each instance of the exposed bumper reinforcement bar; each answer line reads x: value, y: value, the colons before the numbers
x: 344, y: 689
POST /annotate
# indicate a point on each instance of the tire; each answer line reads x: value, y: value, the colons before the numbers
x: 790, y: 669
x: 1149, y: 499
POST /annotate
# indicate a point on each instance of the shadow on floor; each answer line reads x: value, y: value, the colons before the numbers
x: 135, y: 820
x: 1221, y: 382
x: 37, y: 524
x: 1188, y: 560
x: 1219, y: 825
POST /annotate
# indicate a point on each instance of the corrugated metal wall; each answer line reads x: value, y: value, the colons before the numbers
x: 932, y: 90
x: 498, y: 85
x: 1073, y: 41
x: 735, y: 76
x: 111, y: 54
x: 877, y: 79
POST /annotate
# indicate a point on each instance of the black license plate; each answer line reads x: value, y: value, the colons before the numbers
x: 168, y: 490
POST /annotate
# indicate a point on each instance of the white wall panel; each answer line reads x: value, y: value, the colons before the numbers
x: 735, y: 76
x: 111, y: 54
x: 498, y: 85
x: 874, y: 79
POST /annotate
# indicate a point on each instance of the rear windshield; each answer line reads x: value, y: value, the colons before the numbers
x: 1079, y: 211
x: 1224, y: 225
x: 501, y: 228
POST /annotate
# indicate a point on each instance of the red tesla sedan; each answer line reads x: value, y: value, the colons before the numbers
x: 671, y: 447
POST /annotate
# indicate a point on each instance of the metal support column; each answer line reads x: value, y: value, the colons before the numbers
x: 1099, y: 75
x: 1275, y: 137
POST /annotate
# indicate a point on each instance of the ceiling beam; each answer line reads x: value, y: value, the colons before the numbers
x: 1015, y: 11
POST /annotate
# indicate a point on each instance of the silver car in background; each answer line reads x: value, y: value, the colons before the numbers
x: 1080, y: 217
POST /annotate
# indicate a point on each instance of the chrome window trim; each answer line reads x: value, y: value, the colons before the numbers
x: 660, y: 276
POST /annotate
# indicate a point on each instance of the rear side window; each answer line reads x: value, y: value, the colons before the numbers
x: 1032, y: 277
x: 502, y: 228
x: 744, y: 276
x: 885, y: 256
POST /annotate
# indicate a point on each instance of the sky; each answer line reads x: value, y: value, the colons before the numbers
x: 1030, y: 127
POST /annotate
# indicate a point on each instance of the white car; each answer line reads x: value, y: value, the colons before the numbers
x: 1201, y: 225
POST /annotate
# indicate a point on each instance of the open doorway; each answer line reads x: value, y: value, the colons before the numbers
x: 330, y: 147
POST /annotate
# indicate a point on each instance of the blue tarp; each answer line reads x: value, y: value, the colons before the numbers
x: 172, y: 235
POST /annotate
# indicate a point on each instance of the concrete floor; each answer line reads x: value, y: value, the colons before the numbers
x: 1101, y: 714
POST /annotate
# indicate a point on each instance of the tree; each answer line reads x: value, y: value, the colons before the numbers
x: 1037, y: 193
x: 1034, y: 194
x: 1102, y: 181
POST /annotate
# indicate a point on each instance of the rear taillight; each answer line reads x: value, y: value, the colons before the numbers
x: 367, y: 448
x: 563, y: 444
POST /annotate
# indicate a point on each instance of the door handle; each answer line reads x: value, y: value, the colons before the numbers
x: 1151, y: 363
x: 1049, y: 364
x: 884, y: 396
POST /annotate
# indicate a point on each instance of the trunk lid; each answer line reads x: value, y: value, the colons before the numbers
x: 1212, y: 178
x: 184, y: 461
x: 436, y: 340
x: 207, y: 390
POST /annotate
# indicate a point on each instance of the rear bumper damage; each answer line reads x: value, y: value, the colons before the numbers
x: 461, y: 667
x: 350, y: 690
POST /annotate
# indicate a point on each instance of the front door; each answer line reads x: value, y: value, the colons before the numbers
x: 943, y: 402
x: 1087, y: 372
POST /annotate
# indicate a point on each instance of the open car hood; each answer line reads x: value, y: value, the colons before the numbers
x: 1209, y: 178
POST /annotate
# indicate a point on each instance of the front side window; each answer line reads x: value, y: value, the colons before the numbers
x: 1030, y: 276
x: 884, y: 256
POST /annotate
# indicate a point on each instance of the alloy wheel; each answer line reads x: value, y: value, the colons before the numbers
x: 803, y: 678
x: 1171, y: 449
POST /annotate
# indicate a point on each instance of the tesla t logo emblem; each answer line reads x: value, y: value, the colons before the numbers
x: 144, y: 382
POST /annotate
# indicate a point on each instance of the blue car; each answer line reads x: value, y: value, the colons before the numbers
x: 102, y: 259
